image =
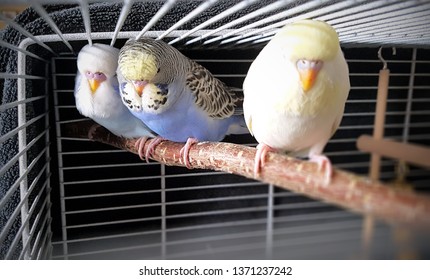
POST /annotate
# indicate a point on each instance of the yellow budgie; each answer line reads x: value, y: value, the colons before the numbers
x: 295, y: 93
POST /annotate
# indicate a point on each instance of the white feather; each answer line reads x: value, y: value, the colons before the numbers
x: 105, y: 106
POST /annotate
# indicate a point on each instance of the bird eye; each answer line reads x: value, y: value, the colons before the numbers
x: 88, y: 73
x: 99, y: 73
x: 158, y: 70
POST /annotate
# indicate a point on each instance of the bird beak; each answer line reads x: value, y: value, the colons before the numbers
x: 308, y: 75
x: 94, y: 84
x: 139, y: 86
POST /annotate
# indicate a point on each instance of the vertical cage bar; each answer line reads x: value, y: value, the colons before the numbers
x: 86, y: 19
x: 121, y: 19
x: 407, y: 121
x: 269, y: 223
x: 22, y: 143
x: 48, y: 160
x: 60, y: 164
x: 163, y: 211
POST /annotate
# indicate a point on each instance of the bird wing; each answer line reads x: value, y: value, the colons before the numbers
x: 211, y: 94
x: 78, y: 81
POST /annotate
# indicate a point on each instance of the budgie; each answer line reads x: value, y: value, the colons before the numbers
x: 97, y: 93
x: 295, y: 93
x: 174, y: 96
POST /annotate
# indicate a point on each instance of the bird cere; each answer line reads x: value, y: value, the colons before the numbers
x: 301, y: 77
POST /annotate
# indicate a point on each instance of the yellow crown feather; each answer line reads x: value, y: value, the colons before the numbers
x: 309, y: 39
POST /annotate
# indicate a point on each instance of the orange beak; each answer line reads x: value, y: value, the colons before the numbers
x: 307, y: 78
x: 308, y: 72
x: 139, y: 86
x: 94, y: 85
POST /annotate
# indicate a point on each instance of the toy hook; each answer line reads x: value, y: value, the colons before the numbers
x: 384, y: 62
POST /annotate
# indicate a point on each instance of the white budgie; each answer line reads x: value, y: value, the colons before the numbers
x: 97, y: 93
x: 174, y: 96
x: 295, y: 93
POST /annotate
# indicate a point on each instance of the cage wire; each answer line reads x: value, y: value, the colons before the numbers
x: 63, y: 197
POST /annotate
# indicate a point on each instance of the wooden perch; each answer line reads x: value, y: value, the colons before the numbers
x: 412, y: 153
x: 347, y: 190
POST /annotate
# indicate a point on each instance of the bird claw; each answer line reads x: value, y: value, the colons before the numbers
x: 151, y: 147
x: 260, y: 157
x: 140, y: 146
x: 325, y: 165
x: 92, y: 131
x: 186, y: 150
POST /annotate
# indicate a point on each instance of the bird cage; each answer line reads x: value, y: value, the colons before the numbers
x: 64, y: 196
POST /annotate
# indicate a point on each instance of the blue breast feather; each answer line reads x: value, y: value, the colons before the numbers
x: 185, y: 120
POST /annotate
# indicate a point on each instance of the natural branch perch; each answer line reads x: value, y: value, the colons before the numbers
x: 346, y: 189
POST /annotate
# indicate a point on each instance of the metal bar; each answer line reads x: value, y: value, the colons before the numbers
x: 21, y: 126
x: 205, y: 213
x: 24, y: 32
x: 36, y: 200
x: 163, y: 211
x: 264, y: 10
x: 160, y: 13
x: 113, y: 208
x: 296, y: 218
x: 48, y: 168
x: 20, y: 76
x: 120, y: 22
x: 161, y: 204
x: 197, y: 11
x: 338, y: 17
x: 15, y: 48
x: 23, y: 232
x: 22, y: 142
x: 111, y: 194
x: 111, y: 223
x: 86, y: 19
x: 41, y: 11
x: 294, y: 10
x: 385, y: 12
x: 15, y: 158
x: 42, y: 237
x: 229, y: 11
x: 407, y: 120
x: 375, y: 26
x: 60, y: 161
x: 5, y: 106
x: 272, y: 28
x: 85, y: 167
x: 270, y: 222
x: 325, y: 229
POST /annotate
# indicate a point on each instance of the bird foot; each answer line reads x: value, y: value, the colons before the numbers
x: 92, y: 131
x: 325, y: 165
x: 151, y: 147
x: 140, y: 146
x: 186, y: 150
x: 260, y: 157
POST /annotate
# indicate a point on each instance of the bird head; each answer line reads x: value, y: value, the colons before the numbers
x: 308, y: 44
x: 140, y: 62
x: 97, y: 63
